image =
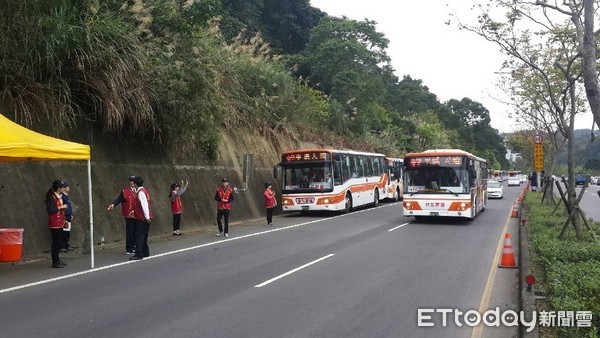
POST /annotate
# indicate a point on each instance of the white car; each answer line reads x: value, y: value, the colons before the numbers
x: 495, y: 189
x: 514, y: 180
x: 524, y: 178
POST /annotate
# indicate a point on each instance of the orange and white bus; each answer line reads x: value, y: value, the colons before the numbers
x: 394, y: 184
x: 444, y: 182
x: 325, y: 179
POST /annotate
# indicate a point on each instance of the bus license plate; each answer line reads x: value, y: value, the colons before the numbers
x: 305, y: 207
x: 434, y: 213
x: 305, y: 200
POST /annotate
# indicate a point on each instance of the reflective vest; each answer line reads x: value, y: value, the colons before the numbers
x: 57, y: 220
x: 224, y: 195
x: 138, y: 212
x: 176, y: 205
x: 128, y: 205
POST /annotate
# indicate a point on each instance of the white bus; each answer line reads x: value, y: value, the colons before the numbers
x: 444, y: 182
x: 336, y: 180
x: 394, y: 188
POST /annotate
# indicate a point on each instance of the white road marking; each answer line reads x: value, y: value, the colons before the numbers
x: 292, y: 271
x: 489, y: 285
x: 111, y: 266
x: 398, y: 227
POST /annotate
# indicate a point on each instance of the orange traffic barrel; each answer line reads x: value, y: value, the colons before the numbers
x: 11, y: 244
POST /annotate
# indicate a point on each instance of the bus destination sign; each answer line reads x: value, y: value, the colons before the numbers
x: 309, y: 156
x: 435, y: 161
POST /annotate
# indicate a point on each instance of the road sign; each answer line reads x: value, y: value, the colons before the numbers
x: 538, y: 157
x: 538, y: 139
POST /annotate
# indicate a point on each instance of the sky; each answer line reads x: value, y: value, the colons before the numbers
x: 453, y: 63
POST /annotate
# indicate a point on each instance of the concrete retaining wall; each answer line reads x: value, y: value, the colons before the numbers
x: 23, y: 186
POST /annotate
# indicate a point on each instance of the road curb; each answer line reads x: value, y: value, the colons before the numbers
x: 526, y: 298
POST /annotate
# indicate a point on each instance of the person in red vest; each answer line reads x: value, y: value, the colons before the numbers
x: 224, y: 197
x: 127, y: 199
x: 56, y: 220
x: 143, y: 216
x: 270, y: 202
x: 176, y: 207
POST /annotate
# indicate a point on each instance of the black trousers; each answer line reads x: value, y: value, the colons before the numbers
x: 176, y: 221
x: 66, y: 236
x: 222, y: 213
x: 130, y: 238
x: 141, y: 238
x: 270, y: 215
x: 56, y: 243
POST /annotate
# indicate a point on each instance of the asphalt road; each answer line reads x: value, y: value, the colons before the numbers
x: 365, y: 281
x: 590, y: 202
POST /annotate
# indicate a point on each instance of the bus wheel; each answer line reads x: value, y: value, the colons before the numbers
x: 348, y: 206
x: 376, y: 198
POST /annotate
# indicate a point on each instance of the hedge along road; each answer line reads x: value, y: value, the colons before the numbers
x: 344, y: 275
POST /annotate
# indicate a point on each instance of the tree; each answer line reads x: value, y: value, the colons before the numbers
x: 582, y: 14
x: 546, y: 59
x: 473, y: 122
x: 347, y: 60
x: 286, y: 24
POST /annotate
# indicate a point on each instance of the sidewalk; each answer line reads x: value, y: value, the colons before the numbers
x: 34, y: 269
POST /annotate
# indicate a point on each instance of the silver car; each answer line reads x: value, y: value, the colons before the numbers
x: 495, y: 189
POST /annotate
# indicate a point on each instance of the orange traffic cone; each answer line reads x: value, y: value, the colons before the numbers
x: 515, y: 213
x: 508, y: 256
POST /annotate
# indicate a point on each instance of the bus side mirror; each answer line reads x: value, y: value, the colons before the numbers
x: 275, y: 171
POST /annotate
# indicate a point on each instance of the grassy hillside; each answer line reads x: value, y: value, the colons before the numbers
x: 181, y: 73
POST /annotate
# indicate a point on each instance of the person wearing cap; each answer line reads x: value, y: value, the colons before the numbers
x: 176, y: 207
x: 270, y: 202
x: 143, y: 216
x: 56, y: 220
x: 224, y: 197
x: 66, y: 235
x: 127, y: 198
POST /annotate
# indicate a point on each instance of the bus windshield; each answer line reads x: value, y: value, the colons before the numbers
x: 436, y: 180
x: 307, y: 177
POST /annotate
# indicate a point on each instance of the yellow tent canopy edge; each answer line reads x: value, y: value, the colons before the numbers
x: 18, y: 143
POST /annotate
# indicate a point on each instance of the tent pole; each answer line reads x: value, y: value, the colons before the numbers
x: 89, y: 170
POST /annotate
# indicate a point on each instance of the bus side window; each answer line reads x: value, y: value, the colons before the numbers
x: 337, y: 170
x: 361, y: 166
x: 346, y: 169
x: 376, y: 171
x: 353, y: 166
x: 368, y: 166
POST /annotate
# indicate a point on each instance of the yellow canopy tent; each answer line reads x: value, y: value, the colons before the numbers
x: 18, y: 144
